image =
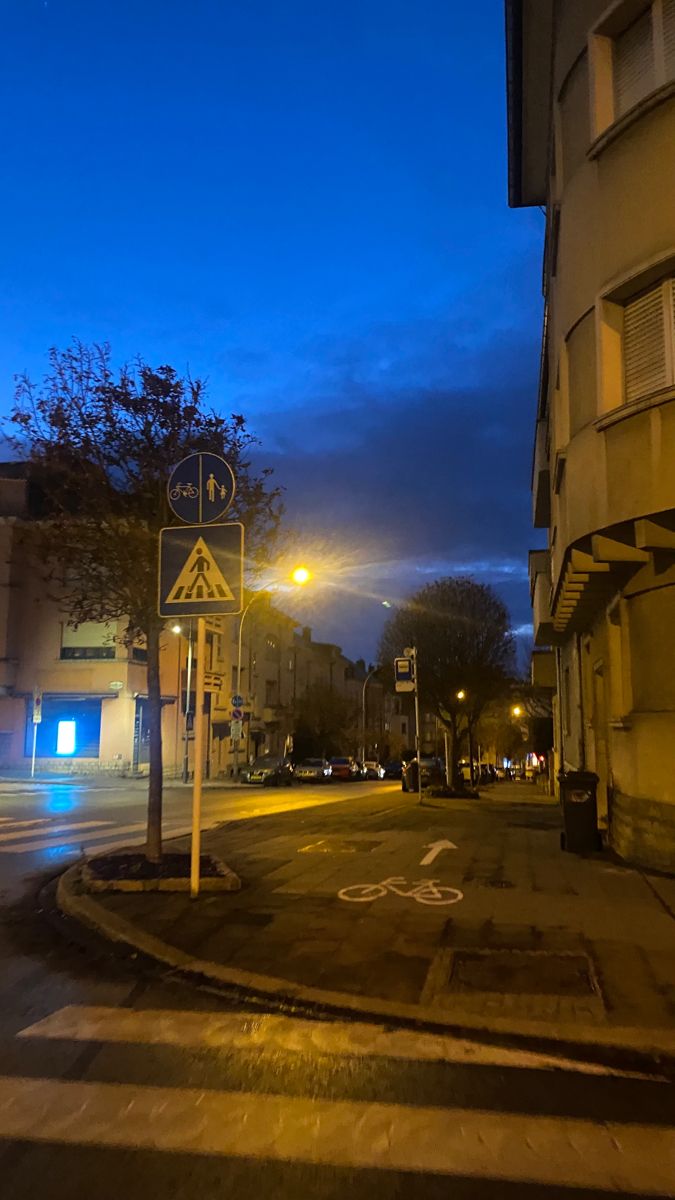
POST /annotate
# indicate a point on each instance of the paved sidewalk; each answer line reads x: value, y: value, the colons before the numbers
x: 535, y: 941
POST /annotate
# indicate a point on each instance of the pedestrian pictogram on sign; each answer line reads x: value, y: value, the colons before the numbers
x: 201, y: 570
x: 200, y: 579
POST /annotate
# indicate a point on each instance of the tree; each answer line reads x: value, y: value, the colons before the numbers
x: 326, y: 723
x: 100, y: 447
x: 465, y: 652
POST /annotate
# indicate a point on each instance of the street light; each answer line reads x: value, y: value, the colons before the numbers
x: 300, y: 576
x: 516, y: 711
x: 363, y: 712
x: 461, y: 694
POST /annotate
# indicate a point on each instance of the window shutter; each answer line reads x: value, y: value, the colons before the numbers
x: 633, y: 64
x: 669, y: 37
x: 644, y: 345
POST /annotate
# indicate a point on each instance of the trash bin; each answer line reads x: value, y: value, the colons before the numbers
x: 580, y: 812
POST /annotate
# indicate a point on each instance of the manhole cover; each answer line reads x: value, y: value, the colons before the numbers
x: 521, y: 971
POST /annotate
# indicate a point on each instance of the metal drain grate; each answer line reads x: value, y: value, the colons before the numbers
x: 522, y: 972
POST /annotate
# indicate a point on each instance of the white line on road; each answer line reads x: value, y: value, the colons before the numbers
x: 552, y: 1151
x: 273, y: 1033
x: 48, y: 830
x: 43, y: 841
x: 435, y: 848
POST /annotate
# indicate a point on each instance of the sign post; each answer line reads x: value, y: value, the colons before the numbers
x: 199, y: 759
x: 405, y: 675
x: 200, y: 575
x: 37, y: 717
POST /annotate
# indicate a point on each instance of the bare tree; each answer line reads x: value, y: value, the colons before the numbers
x: 465, y: 652
x: 100, y: 446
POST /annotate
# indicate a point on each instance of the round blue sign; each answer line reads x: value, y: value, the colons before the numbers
x: 201, y: 488
x: 237, y: 701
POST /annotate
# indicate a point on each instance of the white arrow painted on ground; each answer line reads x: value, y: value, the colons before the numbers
x: 435, y: 849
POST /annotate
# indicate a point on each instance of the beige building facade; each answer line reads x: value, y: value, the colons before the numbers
x: 92, y: 688
x: 591, y: 98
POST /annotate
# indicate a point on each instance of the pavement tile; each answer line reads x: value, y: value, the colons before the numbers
x: 521, y: 892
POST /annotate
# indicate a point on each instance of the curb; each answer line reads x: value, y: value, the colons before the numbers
x: 632, y: 1047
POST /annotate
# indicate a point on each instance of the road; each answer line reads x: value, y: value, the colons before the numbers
x: 115, y: 1082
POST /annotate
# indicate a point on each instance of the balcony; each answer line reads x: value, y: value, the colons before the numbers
x: 542, y: 669
x: 540, y: 595
x: 541, y: 478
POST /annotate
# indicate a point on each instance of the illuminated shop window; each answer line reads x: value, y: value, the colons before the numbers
x: 65, y: 737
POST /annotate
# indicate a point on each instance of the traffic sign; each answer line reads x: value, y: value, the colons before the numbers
x: 201, y: 488
x: 201, y: 570
x: 235, y: 730
x: 237, y: 701
x: 37, y: 707
x: 237, y: 714
x: 404, y: 674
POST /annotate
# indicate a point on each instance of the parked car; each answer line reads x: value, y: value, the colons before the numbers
x: 432, y: 772
x: 271, y: 770
x: 362, y: 774
x: 313, y: 770
x: 393, y: 768
x: 345, y: 769
x: 373, y: 769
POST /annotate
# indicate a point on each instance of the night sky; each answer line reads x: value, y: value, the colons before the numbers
x: 306, y: 203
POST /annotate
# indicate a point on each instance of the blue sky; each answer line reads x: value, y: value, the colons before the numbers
x: 306, y: 203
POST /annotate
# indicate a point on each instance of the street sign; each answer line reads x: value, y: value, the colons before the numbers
x: 237, y: 714
x: 37, y: 707
x: 201, y: 489
x: 237, y: 701
x: 201, y: 570
x: 235, y: 730
x: 404, y: 674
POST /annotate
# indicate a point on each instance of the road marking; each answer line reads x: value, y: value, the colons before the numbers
x: 424, y: 891
x: 435, y: 848
x: 561, y: 1151
x: 273, y: 1033
x: 48, y: 830
x: 46, y: 841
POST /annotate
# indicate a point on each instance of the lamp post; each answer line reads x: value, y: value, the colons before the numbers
x: 363, y: 711
x: 299, y: 576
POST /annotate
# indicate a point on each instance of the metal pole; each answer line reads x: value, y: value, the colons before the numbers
x: 32, y: 765
x: 199, y: 758
x: 447, y: 757
x: 418, y: 739
x: 188, y: 686
x: 241, y: 627
x: 363, y: 713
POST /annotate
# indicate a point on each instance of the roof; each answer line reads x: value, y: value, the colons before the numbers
x: 529, y: 44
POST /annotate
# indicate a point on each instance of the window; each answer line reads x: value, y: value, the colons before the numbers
x: 649, y: 342
x: 271, y: 693
x: 91, y: 639
x: 644, y: 56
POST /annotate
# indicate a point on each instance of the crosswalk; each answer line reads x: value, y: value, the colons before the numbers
x: 54, y: 837
x: 273, y: 1089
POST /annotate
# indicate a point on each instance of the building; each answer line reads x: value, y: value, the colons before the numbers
x: 591, y: 112
x: 91, y: 687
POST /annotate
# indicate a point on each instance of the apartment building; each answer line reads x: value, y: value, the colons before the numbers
x: 591, y: 115
x: 92, y: 688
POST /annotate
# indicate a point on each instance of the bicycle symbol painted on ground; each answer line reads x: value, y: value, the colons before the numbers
x: 424, y: 891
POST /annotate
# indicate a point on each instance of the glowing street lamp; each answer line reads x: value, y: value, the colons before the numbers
x: 516, y: 711
x: 300, y: 576
x: 461, y: 694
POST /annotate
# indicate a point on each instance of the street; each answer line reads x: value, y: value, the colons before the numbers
x: 117, y: 1078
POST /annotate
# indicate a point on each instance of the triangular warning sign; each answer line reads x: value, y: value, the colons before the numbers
x: 200, y: 579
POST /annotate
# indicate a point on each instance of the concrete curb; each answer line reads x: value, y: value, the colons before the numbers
x: 634, y: 1047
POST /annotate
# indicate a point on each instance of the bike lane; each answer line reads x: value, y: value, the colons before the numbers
x: 467, y: 913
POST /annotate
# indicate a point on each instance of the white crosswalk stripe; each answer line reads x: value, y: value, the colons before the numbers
x: 53, y: 833
x: 619, y: 1156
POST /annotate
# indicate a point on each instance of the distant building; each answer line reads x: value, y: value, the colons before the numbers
x: 591, y: 109
x: 93, y: 687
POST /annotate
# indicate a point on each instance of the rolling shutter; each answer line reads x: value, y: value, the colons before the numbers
x: 669, y: 37
x: 644, y: 345
x: 633, y: 64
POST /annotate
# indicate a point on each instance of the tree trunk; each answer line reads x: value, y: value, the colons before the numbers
x: 154, y: 835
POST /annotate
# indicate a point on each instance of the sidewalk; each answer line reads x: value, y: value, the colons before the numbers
x: 540, y: 944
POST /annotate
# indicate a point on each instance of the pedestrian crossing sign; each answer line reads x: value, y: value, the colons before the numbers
x: 201, y: 570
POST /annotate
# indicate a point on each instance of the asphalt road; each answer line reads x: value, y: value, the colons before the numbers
x: 120, y: 1082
